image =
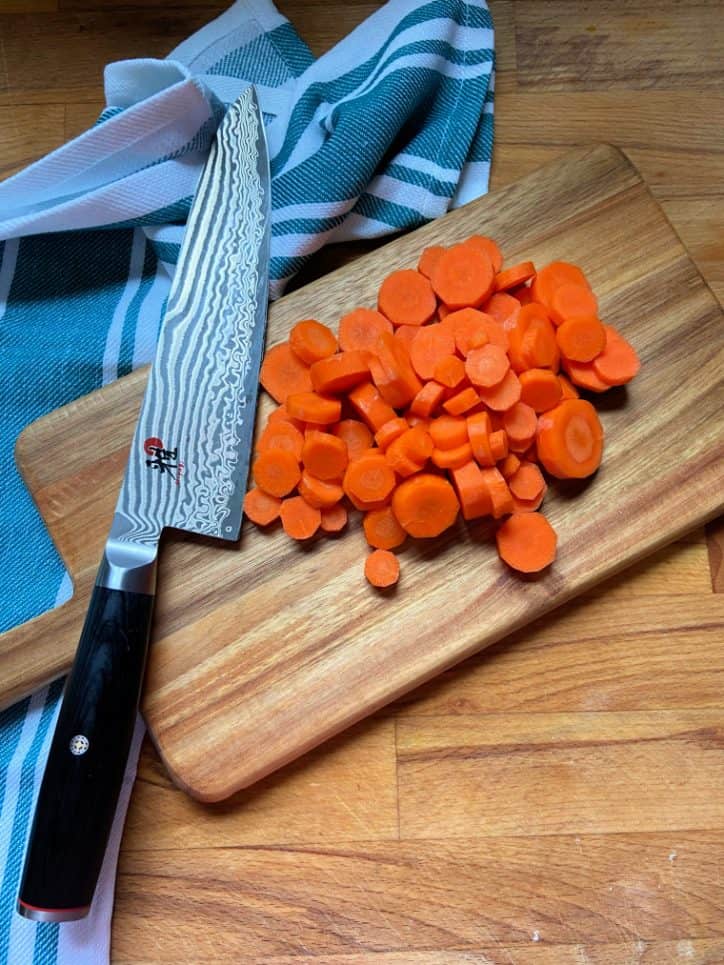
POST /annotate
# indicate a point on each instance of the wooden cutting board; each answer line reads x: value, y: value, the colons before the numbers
x: 264, y: 649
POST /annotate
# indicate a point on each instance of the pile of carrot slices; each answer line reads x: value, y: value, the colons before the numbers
x: 457, y: 395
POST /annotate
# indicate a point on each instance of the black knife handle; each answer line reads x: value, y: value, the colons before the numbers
x: 87, y: 758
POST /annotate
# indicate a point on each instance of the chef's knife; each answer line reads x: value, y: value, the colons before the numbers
x: 187, y: 469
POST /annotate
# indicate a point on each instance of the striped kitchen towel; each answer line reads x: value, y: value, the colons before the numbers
x: 390, y: 128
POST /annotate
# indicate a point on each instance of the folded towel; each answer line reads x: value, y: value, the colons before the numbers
x: 392, y: 127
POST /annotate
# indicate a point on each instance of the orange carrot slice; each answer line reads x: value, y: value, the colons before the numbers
x: 392, y: 372
x: 382, y: 529
x: 360, y: 329
x: 355, y: 434
x: 540, y: 389
x: 261, y: 508
x: 340, y: 372
x: 299, y: 519
x: 314, y: 408
x: 430, y: 343
x: 487, y: 366
x: 406, y: 298
x: 319, y: 493
x: 276, y: 472
x: 368, y: 403
x: 514, y: 276
x: 472, y: 491
x: 324, y: 455
x: 618, y: 362
x: 333, y: 518
x: 425, y: 505
x: 483, y: 243
x: 382, y: 569
x: 527, y: 542
x: 463, y: 276
x: 283, y: 373
x: 312, y: 341
x: 570, y: 439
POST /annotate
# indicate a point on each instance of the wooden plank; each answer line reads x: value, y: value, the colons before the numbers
x: 698, y: 223
x: 477, y: 776
x: 715, y: 546
x: 28, y: 135
x: 319, y: 798
x: 634, y: 45
x: 655, y: 653
x: 466, y: 895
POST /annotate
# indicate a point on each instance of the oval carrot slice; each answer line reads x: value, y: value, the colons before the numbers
x: 514, y: 276
x: 367, y: 402
x: 452, y: 458
x: 299, y: 519
x: 526, y: 542
x: 463, y: 276
x: 333, y: 518
x: 500, y: 498
x: 468, y: 324
x: 260, y: 507
x: 340, y: 372
x: 382, y: 569
x: 425, y: 505
x: 314, y: 408
x: 618, y: 362
x: 462, y: 402
x: 390, y: 431
x: 509, y: 466
x: 427, y: 399
x: 369, y: 479
x: 312, y: 341
x: 355, y: 434
x: 430, y: 343
x: 428, y: 259
x: 392, y: 372
x: 360, y: 329
x: 382, y: 529
x: 584, y: 375
x: 487, y: 366
x: 448, y: 431
x: 528, y: 482
x: 406, y: 334
x: 570, y: 440
x: 449, y: 371
x: 276, y: 472
x: 503, y: 309
x: 283, y: 373
x: 504, y: 395
x: 573, y: 301
x: 406, y: 298
x: 281, y: 435
x: 479, y: 431
x: 520, y: 423
x: 483, y: 243
x: 552, y: 276
x: 319, y: 493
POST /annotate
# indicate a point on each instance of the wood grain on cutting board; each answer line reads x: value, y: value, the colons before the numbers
x: 263, y: 650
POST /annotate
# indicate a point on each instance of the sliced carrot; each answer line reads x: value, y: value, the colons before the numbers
x: 527, y: 542
x: 452, y: 458
x: 340, y: 372
x: 355, y: 434
x: 618, y: 362
x: 409, y: 453
x: 392, y: 372
x: 281, y: 435
x: 509, y: 466
x: 449, y: 371
x: 334, y: 518
x: 314, y: 408
x: 468, y: 325
x: 500, y: 498
x: 319, y: 493
x: 406, y: 298
x: 499, y: 444
x: 367, y: 402
x: 260, y: 507
x: 523, y: 295
x: 425, y: 505
x: 360, y: 329
x: 528, y: 505
x: 430, y: 343
x: 497, y: 334
x: 514, y: 276
x: 585, y: 376
x: 276, y: 471
x: 504, y: 395
x: 390, y: 431
x: 403, y: 466
x: 382, y: 529
x: 472, y: 491
x: 520, y: 423
x: 369, y: 480
x: 312, y: 341
x: 479, y: 432
x: 487, y: 366
x: 581, y: 339
x: 324, y: 455
x: 448, y: 431
x: 406, y: 334
x: 533, y: 340
x: 527, y: 482
x: 428, y: 259
x: 503, y: 309
x: 540, y: 389
x: 299, y: 519
x: 382, y: 569
x: 570, y: 439
x: 462, y: 402
x: 463, y: 276
x: 568, y: 390
x: 283, y: 373
x: 280, y: 414
x: 427, y: 399
x: 552, y: 276
x: 573, y: 301
x: 487, y: 245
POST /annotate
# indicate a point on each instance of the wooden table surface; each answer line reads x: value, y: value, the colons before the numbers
x: 559, y: 799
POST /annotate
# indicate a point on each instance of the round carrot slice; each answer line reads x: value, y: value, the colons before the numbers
x: 463, y: 276
x: 450, y: 371
x: 382, y: 569
x: 260, y: 507
x: 281, y: 435
x: 618, y: 362
x: 527, y: 482
x: 319, y: 493
x: 520, y: 423
x: 369, y: 479
x: 581, y: 339
x: 276, y: 471
x: 355, y: 434
x: 573, y: 301
x: 504, y: 395
x: 428, y: 259
x: 311, y: 407
x: 283, y: 373
x: 551, y: 277
x: 431, y: 342
x: 299, y: 519
x: 324, y: 455
x: 425, y: 505
x: 514, y: 276
x: 540, y: 389
x: 527, y: 542
x: 360, y: 329
x: 570, y: 440
x: 406, y: 298
x: 503, y: 308
x: 487, y: 245
x: 487, y: 366
x: 334, y: 518
x: 382, y: 529
x: 584, y: 375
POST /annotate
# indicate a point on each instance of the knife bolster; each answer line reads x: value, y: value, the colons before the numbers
x: 128, y: 566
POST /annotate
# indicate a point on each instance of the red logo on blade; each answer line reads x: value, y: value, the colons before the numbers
x: 162, y: 459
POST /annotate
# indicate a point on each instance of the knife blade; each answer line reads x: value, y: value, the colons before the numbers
x: 187, y: 469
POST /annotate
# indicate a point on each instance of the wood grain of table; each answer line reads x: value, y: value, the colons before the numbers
x: 560, y: 798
